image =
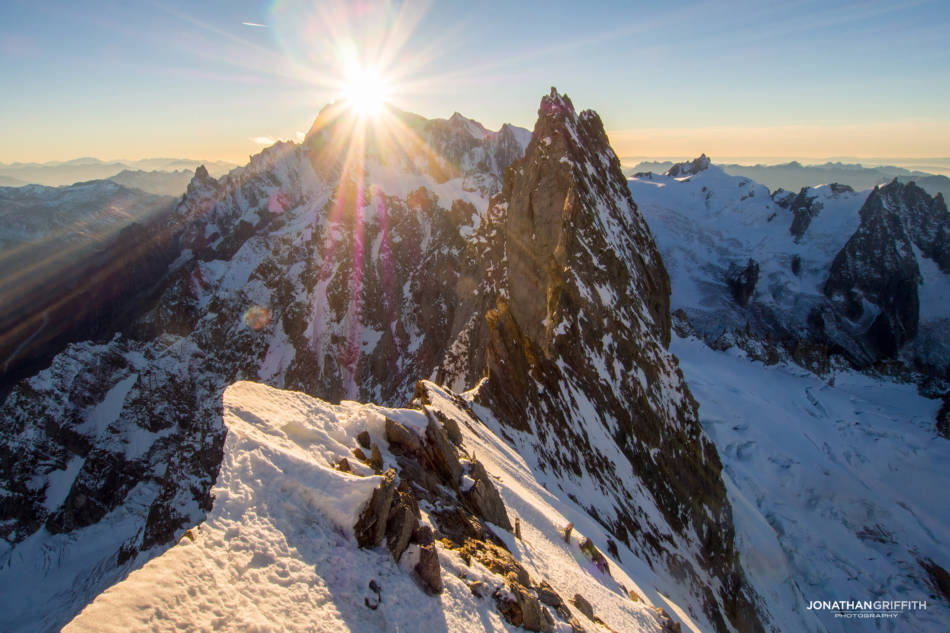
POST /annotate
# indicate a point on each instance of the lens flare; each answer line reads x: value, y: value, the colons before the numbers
x: 278, y: 202
x: 257, y: 317
x: 365, y: 92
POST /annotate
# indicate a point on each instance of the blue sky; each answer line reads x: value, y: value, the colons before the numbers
x: 783, y: 79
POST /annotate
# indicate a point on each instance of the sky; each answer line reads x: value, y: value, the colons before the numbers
x: 219, y: 79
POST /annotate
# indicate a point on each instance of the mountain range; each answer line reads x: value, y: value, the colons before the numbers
x: 153, y: 175
x: 449, y: 377
x: 794, y: 175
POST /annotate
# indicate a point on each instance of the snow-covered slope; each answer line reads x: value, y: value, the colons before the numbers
x: 780, y: 274
x: 838, y: 488
x: 52, y: 219
x: 710, y: 221
x: 278, y: 552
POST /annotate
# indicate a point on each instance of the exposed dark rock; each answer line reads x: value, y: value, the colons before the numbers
x: 371, y: 526
x: 689, y: 168
x: 459, y: 526
x: 877, y: 264
x: 401, y: 525
x: 804, y: 209
x: 402, y: 438
x: 548, y: 596
x: 586, y: 289
x: 939, y: 577
x: 548, y: 213
x: 452, y: 430
x: 373, y: 602
x: 485, y: 499
x: 521, y: 608
x: 926, y: 220
x: 428, y: 568
x: 583, y: 606
x: 742, y: 281
x: 376, y: 459
x: 364, y: 439
x: 102, y: 485
x: 495, y: 558
x: 837, y: 188
x: 441, y: 454
x: 343, y: 465
x: 943, y: 418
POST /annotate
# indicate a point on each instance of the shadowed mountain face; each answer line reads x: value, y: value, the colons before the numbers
x: 879, y: 263
x: 74, y: 261
x: 436, y: 248
x: 580, y: 334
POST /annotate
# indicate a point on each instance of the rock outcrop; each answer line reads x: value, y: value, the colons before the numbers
x: 580, y: 334
x: 877, y: 265
x: 689, y: 168
x: 742, y: 282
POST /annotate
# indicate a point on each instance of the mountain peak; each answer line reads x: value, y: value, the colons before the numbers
x: 556, y: 103
x: 689, y: 168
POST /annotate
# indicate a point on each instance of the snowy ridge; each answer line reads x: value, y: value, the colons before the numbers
x: 276, y: 553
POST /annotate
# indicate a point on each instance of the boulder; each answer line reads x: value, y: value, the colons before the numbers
x: 401, y: 524
x: 402, y: 438
x: 484, y: 498
x: 370, y: 528
x: 442, y: 455
x: 583, y: 606
x: 548, y: 596
x: 521, y: 608
x: 428, y: 569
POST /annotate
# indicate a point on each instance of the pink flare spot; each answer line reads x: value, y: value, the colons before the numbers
x: 278, y: 202
x: 257, y: 317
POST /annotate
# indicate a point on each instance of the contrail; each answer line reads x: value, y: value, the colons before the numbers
x: 263, y: 26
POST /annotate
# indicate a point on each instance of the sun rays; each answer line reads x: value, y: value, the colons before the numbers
x: 364, y: 57
x: 365, y: 91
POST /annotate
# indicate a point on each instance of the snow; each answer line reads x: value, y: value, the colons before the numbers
x: 394, y: 181
x: 59, y: 483
x: 710, y: 221
x: 934, y: 290
x: 276, y: 553
x: 837, y: 490
x: 107, y: 411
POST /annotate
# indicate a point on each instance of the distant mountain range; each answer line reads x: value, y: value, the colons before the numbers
x: 794, y: 175
x: 163, y: 183
x: 153, y: 175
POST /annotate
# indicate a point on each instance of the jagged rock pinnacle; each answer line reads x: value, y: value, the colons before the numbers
x: 689, y: 168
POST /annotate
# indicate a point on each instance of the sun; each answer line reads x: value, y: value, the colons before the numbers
x: 365, y: 92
